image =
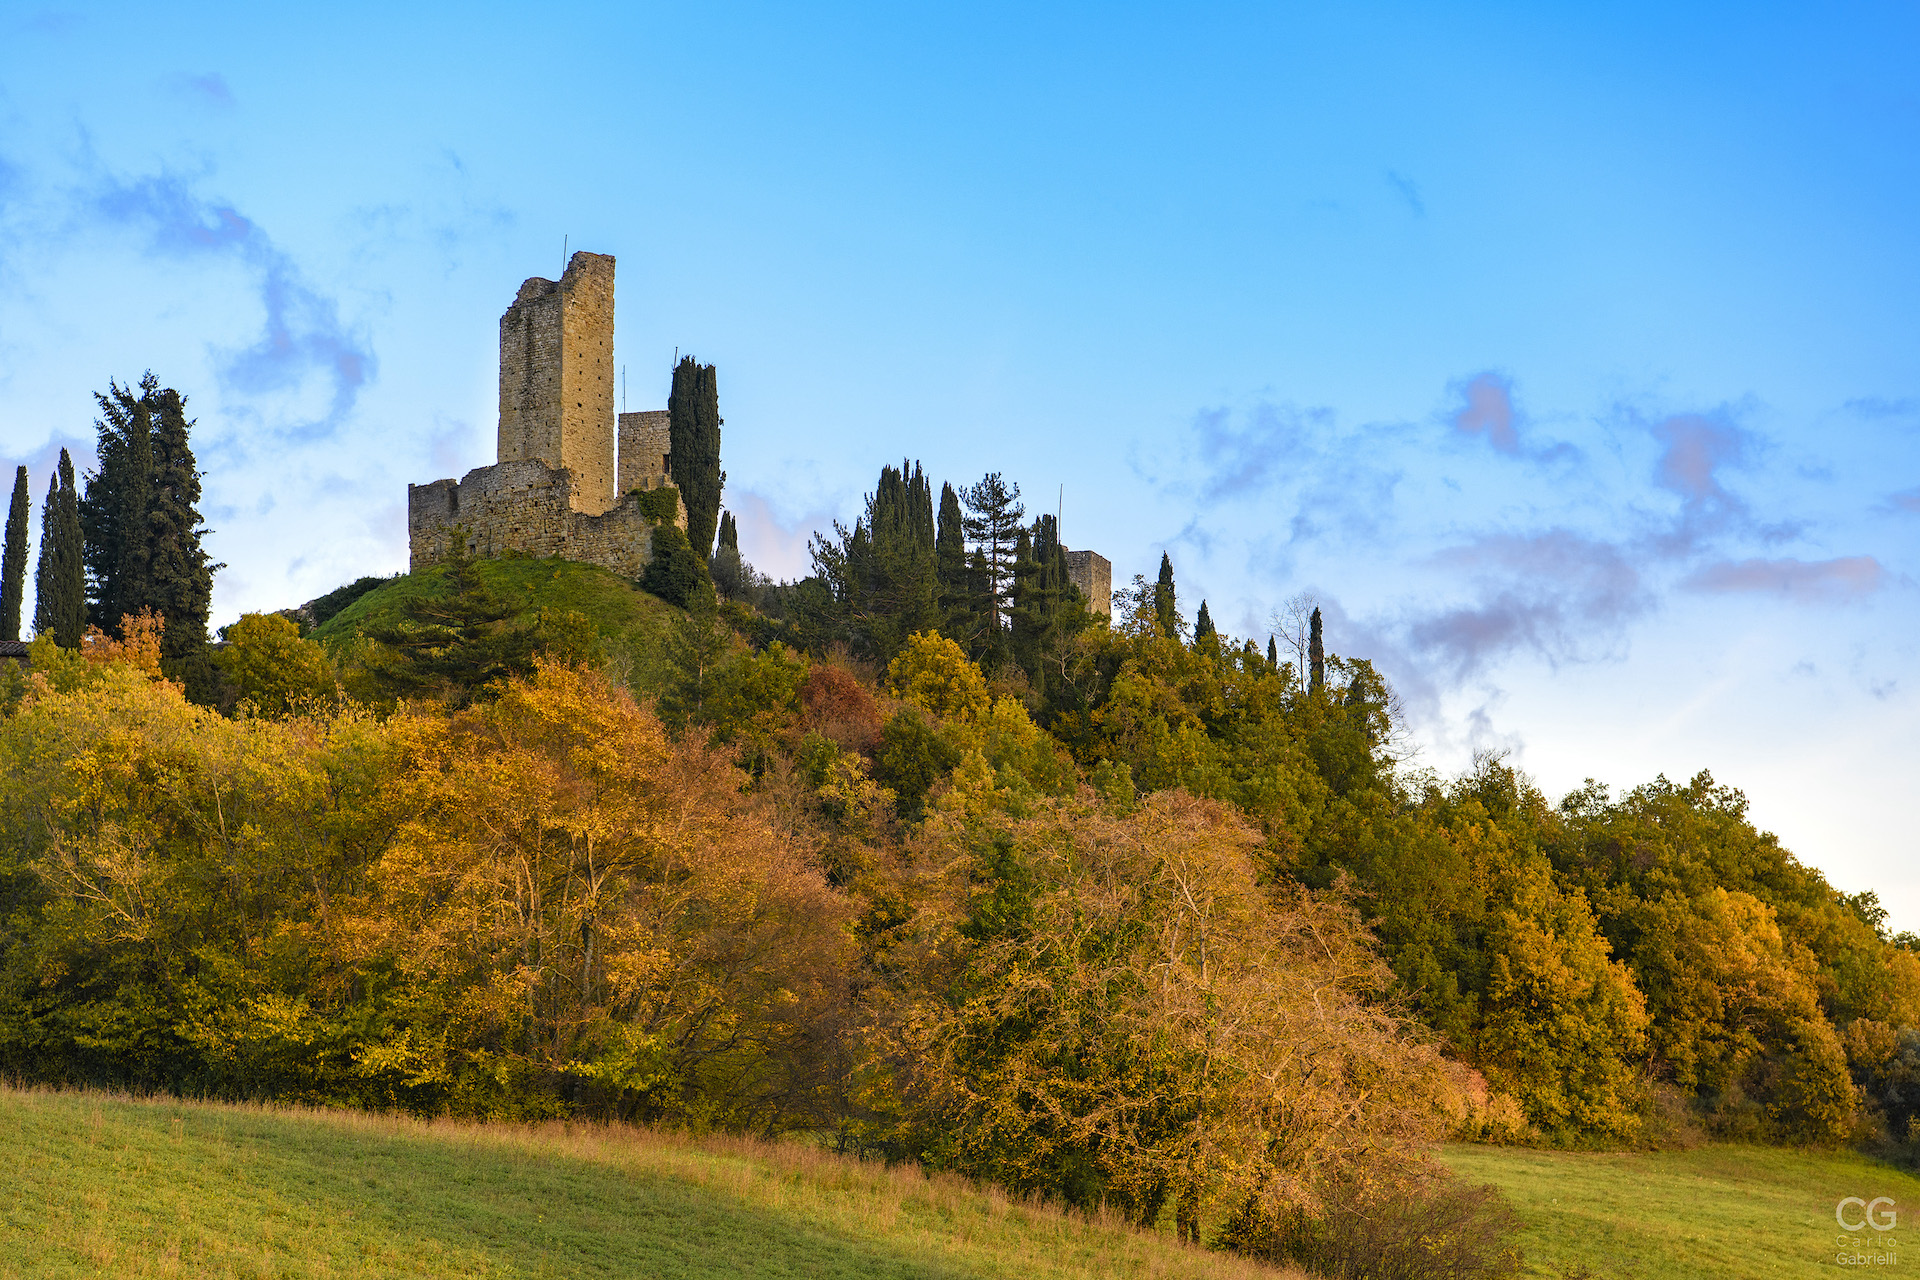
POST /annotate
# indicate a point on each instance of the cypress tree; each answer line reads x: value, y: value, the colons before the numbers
x: 1273, y: 653
x: 1203, y: 625
x: 60, y: 579
x: 729, y: 532
x: 693, y: 442
x: 13, y: 565
x: 1316, y: 654
x: 960, y: 619
x: 179, y: 583
x: 883, y: 575
x: 1166, y: 611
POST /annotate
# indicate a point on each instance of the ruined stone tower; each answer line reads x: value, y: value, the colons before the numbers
x: 556, y: 489
x: 556, y: 378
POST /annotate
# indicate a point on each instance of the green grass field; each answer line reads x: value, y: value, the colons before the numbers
x: 613, y: 603
x: 1751, y: 1212
x: 92, y: 1185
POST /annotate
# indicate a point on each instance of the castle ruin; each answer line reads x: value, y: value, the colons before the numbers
x: 569, y: 471
x: 1093, y: 574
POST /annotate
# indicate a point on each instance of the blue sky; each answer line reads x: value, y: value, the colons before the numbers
x: 1570, y: 355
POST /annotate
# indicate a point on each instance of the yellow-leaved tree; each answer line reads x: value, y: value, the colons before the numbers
x: 1112, y: 1009
x: 581, y: 914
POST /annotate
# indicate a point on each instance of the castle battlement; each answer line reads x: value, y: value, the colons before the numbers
x: 566, y: 471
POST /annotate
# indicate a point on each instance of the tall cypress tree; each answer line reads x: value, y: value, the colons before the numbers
x: 1316, y: 654
x: 693, y: 442
x: 1203, y: 625
x: 179, y: 583
x: 60, y: 579
x: 882, y: 574
x: 13, y: 564
x: 959, y: 619
x: 1166, y: 610
x: 1273, y: 653
x: 729, y: 532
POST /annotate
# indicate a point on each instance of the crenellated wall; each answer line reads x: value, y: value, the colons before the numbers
x: 524, y: 508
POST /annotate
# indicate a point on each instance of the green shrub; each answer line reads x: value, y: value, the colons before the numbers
x: 1397, y: 1228
x: 659, y: 506
x: 676, y: 574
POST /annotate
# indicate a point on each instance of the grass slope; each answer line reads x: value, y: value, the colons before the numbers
x: 1754, y: 1212
x: 613, y: 603
x: 95, y: 1185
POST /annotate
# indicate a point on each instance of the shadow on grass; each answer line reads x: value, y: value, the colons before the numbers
x: 248, y: 1195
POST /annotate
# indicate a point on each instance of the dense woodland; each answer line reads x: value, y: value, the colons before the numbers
x: 916, y: 855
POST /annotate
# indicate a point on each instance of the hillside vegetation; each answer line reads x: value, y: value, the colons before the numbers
x: 99, y: 1185
x: 922, y: 859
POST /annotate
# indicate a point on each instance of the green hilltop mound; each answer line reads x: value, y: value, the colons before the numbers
x: 168, y: 1188
x: 611, y: 603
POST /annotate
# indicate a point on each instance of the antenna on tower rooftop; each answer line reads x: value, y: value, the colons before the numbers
x: 563, y: 254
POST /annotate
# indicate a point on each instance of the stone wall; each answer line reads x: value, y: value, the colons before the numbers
x: 645, y: 442
x: 1093, y: 574
x: 556, y: 378
x: 528, y: 508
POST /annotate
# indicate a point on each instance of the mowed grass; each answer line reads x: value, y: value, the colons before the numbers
x: 1752, y: 1212
x: 97, y: 1185
x: 611, y: 602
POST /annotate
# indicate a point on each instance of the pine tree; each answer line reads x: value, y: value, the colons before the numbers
x: 13, y: 565
x: 693, y: 441
x: 993, y: 526
x: 1203, y: 625
x: 60, y: 579
x: 1165, y: 608
x: 179, y: 585
x: 1316, y: 654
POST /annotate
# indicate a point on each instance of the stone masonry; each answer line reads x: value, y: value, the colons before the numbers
x: 556, y: 377
x: 1093, y: 574
x: 553, y: 491
x: 644, y: 446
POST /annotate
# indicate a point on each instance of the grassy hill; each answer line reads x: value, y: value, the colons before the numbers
x: 95, y: 1185
x: 1753, y: 1212
x: 613, y: 603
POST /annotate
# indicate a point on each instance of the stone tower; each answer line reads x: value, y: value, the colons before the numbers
x: 556, y: 378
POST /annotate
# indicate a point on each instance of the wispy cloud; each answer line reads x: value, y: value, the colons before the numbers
x: 207, y: 90
x: 1559, y: 594
x: 303, y: 335
x: 1804, y: 581
x: 1489, y: 408
x: 1907, y: 500
x: 1409, y: 192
